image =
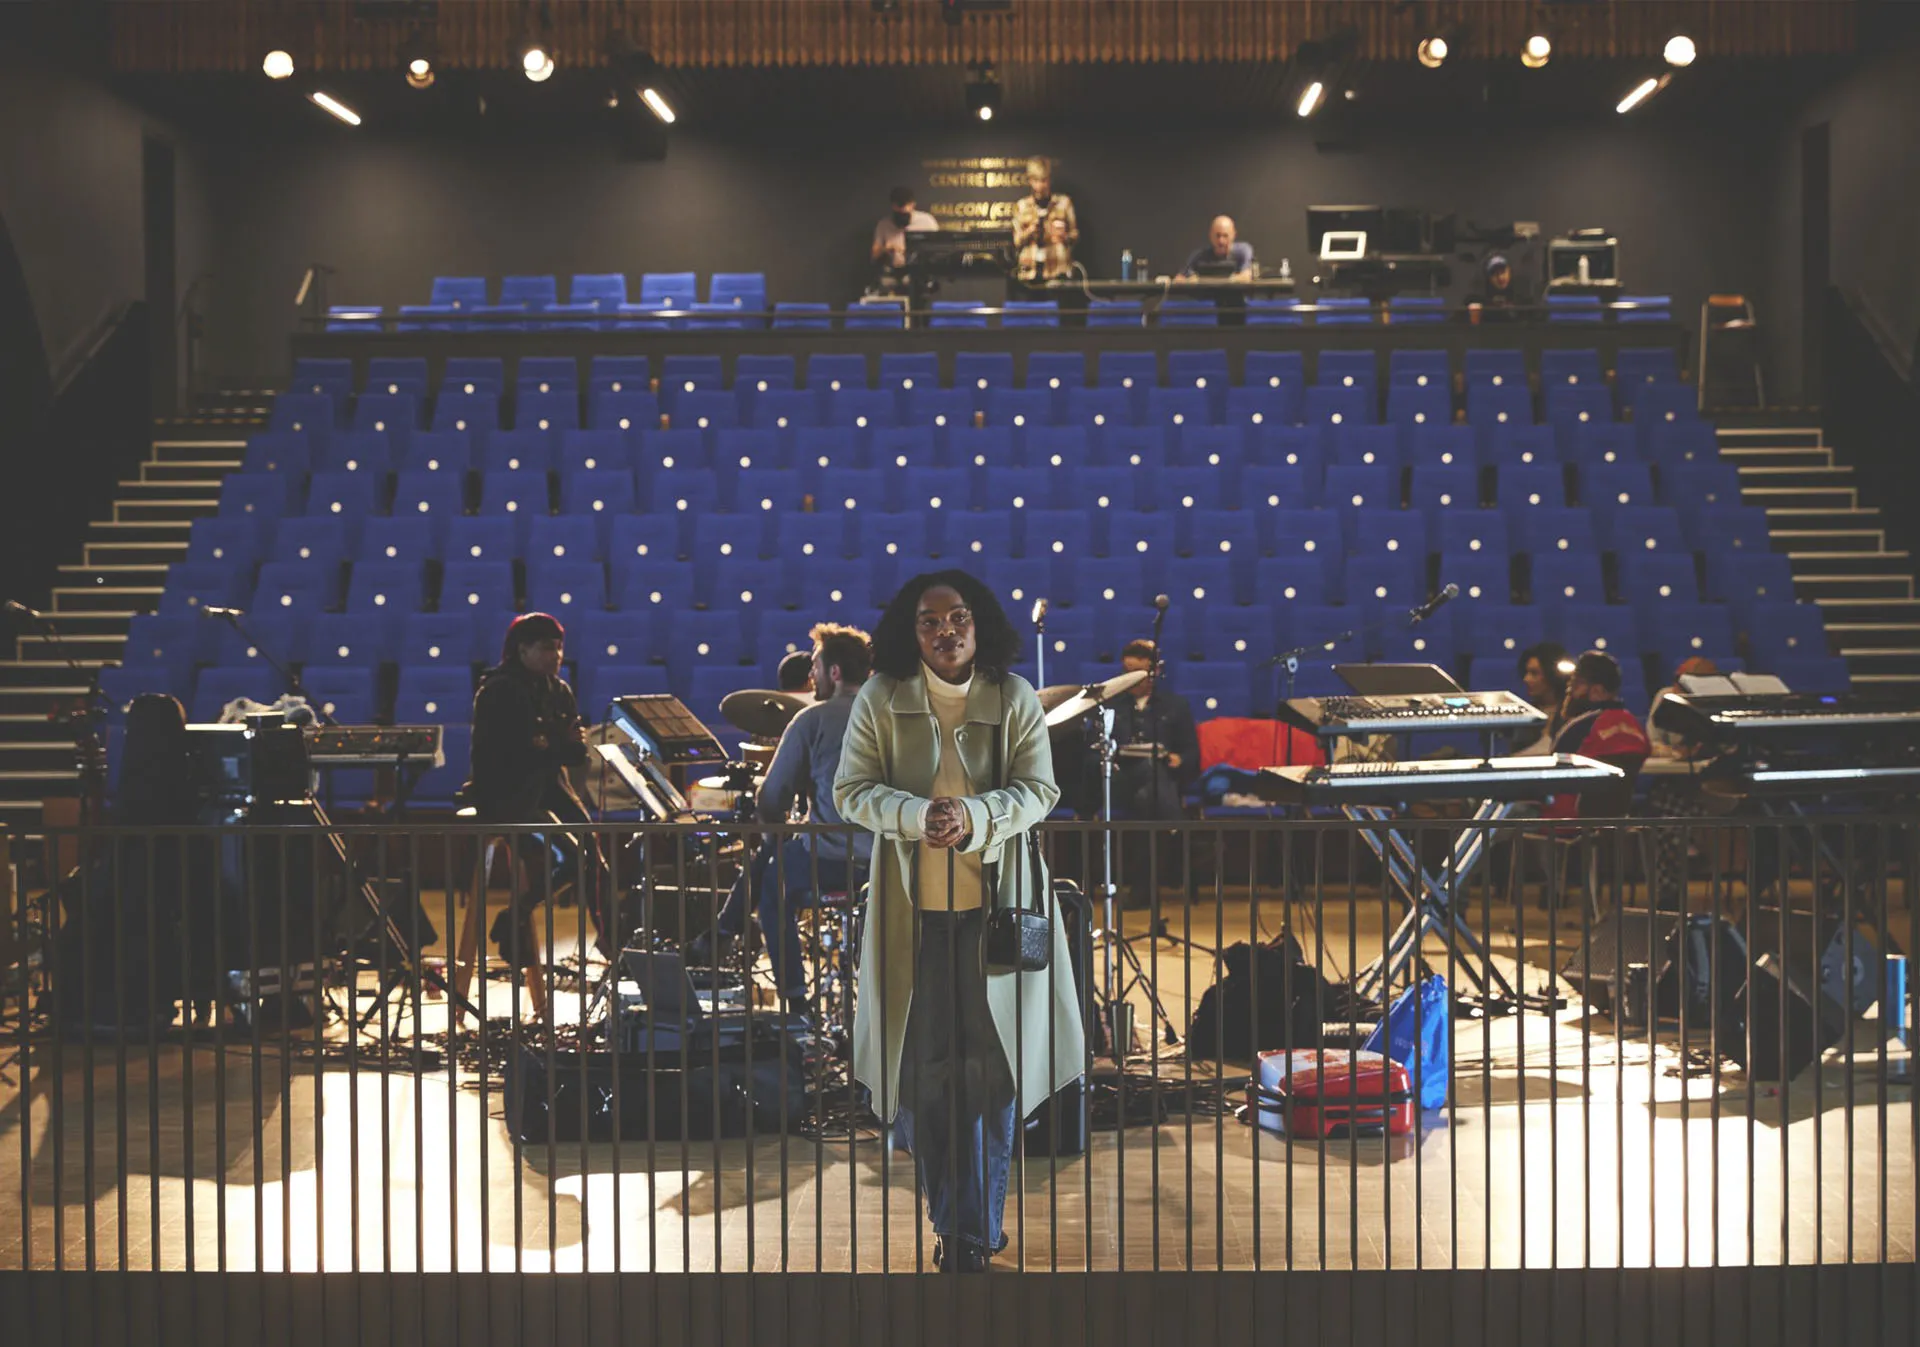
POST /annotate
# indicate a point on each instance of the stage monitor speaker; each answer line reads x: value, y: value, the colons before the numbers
x: 1632, y: 955
x: 1849, y: 972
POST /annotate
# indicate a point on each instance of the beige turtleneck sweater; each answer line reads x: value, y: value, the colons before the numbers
x: 949, y: 703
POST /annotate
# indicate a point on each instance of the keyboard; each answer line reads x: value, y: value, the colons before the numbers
x: 1334, y: 717
x: 1733, y: 719
x: 1363, y: 783
x: 1820, y: 778
x: 374, y: 746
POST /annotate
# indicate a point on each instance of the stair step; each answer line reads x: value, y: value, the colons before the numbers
x: 36, y: 756
x: 1882, y: 659
x: 1866, y: 608
x: 134, y: 573
x: 30, y: 786
x: 1890, y: 586
x: 1888, y: 681
x: 112, y: 554
x: 187, y: 471
x: 197, y: 451
x: 1830, y: 540
x: 164, y: 511
x: 194, y: 489
x: 1875, y: 635
x: 1823, y: 499
x: 1758, y: 436
x: 106, y: 647
x: 20, y: 726
x: 121, y: 601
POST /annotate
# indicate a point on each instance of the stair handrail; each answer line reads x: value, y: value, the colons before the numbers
x: 1900, y: 360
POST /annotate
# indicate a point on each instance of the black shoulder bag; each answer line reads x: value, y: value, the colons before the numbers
x: 1018, y: 940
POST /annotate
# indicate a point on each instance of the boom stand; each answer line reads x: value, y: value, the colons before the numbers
x: 1114, y: 948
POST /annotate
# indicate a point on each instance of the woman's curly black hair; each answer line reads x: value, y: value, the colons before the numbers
x: 896, y: 646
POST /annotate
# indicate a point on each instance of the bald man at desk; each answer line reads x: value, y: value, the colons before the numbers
x: 1224, y: 256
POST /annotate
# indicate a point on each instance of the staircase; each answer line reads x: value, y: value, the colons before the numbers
x: 1838, y: 547
x: 122, y: 569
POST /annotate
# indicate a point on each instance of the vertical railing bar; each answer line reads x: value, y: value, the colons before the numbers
x: 120, y: 1051
x: 1153, y: 1037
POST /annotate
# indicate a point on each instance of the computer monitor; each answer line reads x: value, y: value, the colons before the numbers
x: 1369, y: 220
x: 1217, y: 267
x: 1343, y: 245
x: 1602, y: 254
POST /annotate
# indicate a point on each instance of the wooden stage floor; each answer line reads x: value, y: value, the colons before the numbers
x: 1563, y: 1146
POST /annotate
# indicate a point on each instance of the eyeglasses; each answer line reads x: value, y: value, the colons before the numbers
x: 959, y: 619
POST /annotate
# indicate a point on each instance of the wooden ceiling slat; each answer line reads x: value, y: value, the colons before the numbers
x: 183, y: 36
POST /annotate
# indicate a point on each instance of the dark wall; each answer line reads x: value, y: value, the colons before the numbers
x: 70, y: 191
x: 1873, y: 117
x: 389, y: 212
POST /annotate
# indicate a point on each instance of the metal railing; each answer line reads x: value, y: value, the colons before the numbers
x: 277, y: 1049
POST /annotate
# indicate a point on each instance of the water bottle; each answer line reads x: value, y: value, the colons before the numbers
x: 1126, y: 264
x: 1286, y: 269
x: 1586, y: 272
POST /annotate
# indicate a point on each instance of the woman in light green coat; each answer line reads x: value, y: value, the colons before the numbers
x: 946, y: 761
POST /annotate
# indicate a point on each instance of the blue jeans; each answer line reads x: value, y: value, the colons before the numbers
x: 956, y: 1082
x: 777, y: 884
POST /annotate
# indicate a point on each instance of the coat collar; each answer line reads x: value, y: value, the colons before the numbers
x: 986, y: 700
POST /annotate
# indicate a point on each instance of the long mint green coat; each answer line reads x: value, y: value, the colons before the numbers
x: 887, y: 766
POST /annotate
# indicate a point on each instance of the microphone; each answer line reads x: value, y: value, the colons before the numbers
x: 1160, y: 602
x: 20, y: 609
x: 1039, y: 611
x: 211, y: 610
x: 1434, y: 604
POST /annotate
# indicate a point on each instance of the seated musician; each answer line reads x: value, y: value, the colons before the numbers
x: 1543, y: 672
x: 526, y: 733
x: 1596, y: 724
x: 795, y: 674
x: 889, y: 251
x: 1225, y: 255
x: 1146, y: 784
x: 780, y: 879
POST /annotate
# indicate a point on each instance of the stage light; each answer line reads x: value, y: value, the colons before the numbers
x: 1680, y: 50
x: 1310, y: 100
x: 336, y: 107
x: 534, y: 58
x: 1537, y: 52
x: 277, y: 65
x: 1641, y: 92
x: 1432, y: 52
x: 651, y: 97
x: 543, y: 73
x: 983, y: 90
x: 420, y: 73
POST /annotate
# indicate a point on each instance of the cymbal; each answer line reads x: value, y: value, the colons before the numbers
x: 1065, y: 702
x: 762, y: 712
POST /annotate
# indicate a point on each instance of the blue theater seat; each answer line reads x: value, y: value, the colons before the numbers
x: 956, y: 313
x: 452, y: 638
x: 643, y: 584
x: 1634, y: 365
x: 1411, y: 404
x: 1338, y: 311
x: 1182, y: 406
x: 1573, y: 309
x: 566, y: 537
x: 474, y: 413
x: 1215, y: 689
x: 1570, y: 368
x: 1541, y: 486
x: 1336, y: 405
x: 1654, y: 577
x: 565, y: 587
x: 1416, y: 310
x: 1437, y: 490
x: 1276, y: 488
x: 1275, y: 313
x: 1597, y: 626
x: 1020, y: 407
x: 680, y: 289
x: 1567, y: 577
x: 589, y: 450
x: 324, y: 539
x: 862, y: 408
x: 792, y: 316
x: 230, y: 539
x: 277, y: 452
x: 745, y: 291
x: 1350, y: 487
x: 1518, y: 445
x: 1115, y: 313
x: 1552, y: 529
x: 628, y: 412
x: 517, y: 451
x: 471, y: 538
x: 427, y: 499
x: 1486, y: 576
x: 258, y: 496
x: 1187, y: 313
x: 510, y: 491
x: 479, y: 587
x: 354, y: 640
x: 1785, y: 631
x: 979, y: 372
x: 298, y: 588
x: 1099, y: 408
x: 348, y: 495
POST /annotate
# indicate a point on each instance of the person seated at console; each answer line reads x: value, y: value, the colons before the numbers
x: 889, y: 251
x: 1499, y: 289
x: 1596, y: 724
x: 527, y: 732
x: 1225, y: 256
x: 781, y: 878
x: 1157, y: 752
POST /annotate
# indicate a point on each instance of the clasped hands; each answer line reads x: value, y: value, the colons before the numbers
x: 947, y: 824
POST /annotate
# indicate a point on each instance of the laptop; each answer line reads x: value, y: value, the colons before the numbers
x: 669, y: 990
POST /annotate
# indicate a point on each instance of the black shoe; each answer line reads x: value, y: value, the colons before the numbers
x: 700, y: 949
x: 959, y: 1255
x: 501, y: 933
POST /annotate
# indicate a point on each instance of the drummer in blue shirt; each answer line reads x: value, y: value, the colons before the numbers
x: 1224, y: 254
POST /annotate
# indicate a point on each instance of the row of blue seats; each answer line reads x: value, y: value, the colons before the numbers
x: 824, y: 452
x: 689, y: 495
x: 748, y: 309
x: 590, y: 297
x: 386, y: 591
x: 1728, y: 536
x: 833, y: 371
x: 437, y: 686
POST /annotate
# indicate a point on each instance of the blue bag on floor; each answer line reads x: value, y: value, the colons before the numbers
x: 1418, y: 1033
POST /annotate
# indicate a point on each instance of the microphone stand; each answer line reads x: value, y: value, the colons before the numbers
x: 1040, y: 630
x: 88, y: 742
x: 288, y: 679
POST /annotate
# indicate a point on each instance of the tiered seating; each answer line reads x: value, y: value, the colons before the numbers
x: 735, y: 300
x: 690, y: 527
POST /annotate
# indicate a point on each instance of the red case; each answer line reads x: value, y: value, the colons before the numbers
x: 1319, y: 1093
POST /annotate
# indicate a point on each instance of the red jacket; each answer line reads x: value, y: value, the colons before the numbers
x: 1606, y: 731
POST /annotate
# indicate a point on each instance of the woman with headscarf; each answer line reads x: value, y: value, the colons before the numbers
x: 947, y: 763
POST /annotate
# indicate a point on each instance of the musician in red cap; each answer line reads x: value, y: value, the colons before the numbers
x: 526, y: 733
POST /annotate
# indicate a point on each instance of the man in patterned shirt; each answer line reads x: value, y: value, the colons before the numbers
x: 1043, y: 223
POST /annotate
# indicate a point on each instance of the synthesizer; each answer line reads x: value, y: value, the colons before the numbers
x: 1376, y: 783
x: 374, y: 746
x: 1401, y: 713
x: 1746, y: 717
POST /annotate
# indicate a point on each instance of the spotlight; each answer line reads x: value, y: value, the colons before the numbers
x: 277, y: 65
x: 983, y: 90
x: 651, y: 97
x: 1310, y: 100
x: 1537, y: 52
x: 336, y: 107
x: 1641, y: 92
x: 420, y: 73
x: 1432, y: 52
x: 537, y: 62
x: 1680, y: 50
